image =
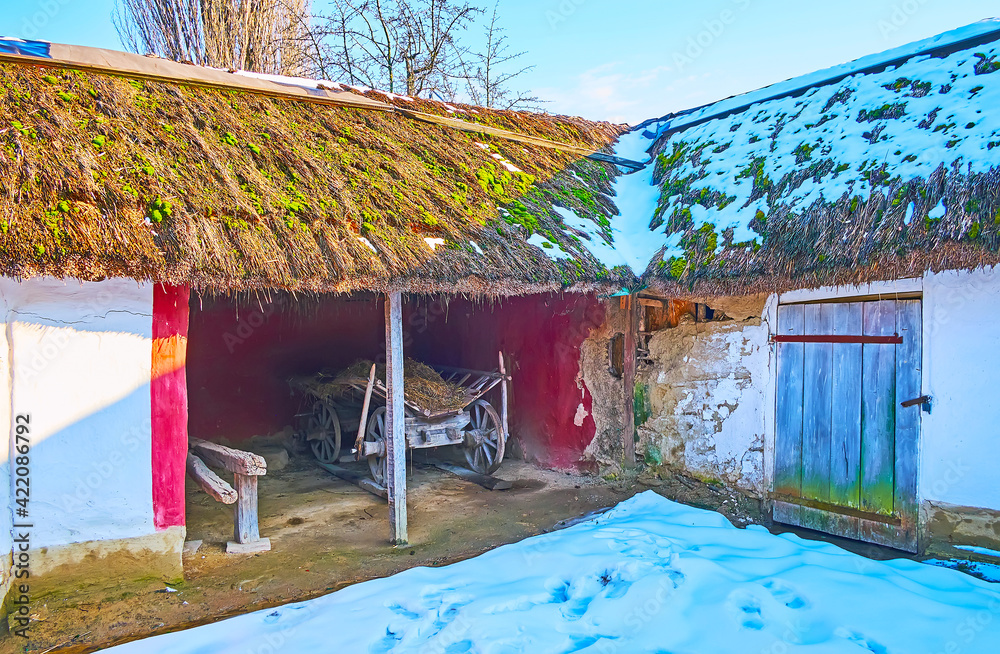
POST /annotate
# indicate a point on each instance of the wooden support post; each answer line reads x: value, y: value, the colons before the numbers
x: 629, y: 304
x: 246, y: 536
x: 395, y: 418
x: 503, y: 398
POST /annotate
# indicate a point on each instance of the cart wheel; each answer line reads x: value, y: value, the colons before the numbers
x: 375, y: 433
x: 324, y: 423
x: 485, y: 444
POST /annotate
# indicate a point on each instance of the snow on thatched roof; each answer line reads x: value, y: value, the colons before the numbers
x: 879, y: 169
x: 239, y: 188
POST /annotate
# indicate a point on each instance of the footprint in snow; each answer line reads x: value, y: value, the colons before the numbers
x: 861, y: 640
x: 746, y: 609
x: 785, y: 594
x: 436, y: 608
x: 386, y: 643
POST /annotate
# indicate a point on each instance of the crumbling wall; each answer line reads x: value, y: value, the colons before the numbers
x: 607, y: 449
x: 704, y: 393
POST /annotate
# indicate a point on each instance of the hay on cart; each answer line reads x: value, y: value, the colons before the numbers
x: 424, y: 386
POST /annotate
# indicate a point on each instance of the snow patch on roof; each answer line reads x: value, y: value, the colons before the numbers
x: 552, y: 250
x: 982, y: 28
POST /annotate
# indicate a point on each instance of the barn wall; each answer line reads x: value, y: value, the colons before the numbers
x: 706, y: 390
x: 80, y: 361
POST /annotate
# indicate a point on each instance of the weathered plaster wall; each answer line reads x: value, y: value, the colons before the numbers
x: 706, y: 389
x: 79, y: 357
x: 607, y: 392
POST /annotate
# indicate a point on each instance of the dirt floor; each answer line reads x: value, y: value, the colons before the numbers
x: 327, y: 534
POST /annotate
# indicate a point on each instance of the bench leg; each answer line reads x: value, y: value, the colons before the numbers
x: 246, y: 535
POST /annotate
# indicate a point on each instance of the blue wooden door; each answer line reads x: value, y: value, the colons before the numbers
x: 845, y: 450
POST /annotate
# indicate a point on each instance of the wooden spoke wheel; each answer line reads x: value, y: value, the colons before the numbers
x: 485, y: 439
x: 323, y: 432
x: 375, y: 433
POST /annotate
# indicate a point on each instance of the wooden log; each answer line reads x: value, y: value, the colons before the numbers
x: 235, y: 461
x: 395, y: 418
x: 364, y: 412
x: 359, y: 479
x: 245, y: 510
x: 210, y: 482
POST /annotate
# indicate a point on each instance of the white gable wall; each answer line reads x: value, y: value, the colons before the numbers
x: 80, y: 360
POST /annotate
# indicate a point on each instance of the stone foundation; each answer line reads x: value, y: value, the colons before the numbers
x: 943, y: 526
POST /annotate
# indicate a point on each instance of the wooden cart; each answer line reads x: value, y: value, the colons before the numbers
x: 477, y: 428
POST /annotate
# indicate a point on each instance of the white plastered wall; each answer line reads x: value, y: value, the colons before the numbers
x: 960, y: 445
x: 79, y: 358
x: 6, y: 536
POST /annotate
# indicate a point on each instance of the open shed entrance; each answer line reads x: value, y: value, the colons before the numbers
x: 848, y: 419
x: 243, y: 352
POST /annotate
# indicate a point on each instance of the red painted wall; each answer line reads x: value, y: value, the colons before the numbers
x: 241, y: 356
x: 542, y: 335
x: 168, y: 390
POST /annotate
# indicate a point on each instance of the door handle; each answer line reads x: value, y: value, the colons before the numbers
x: 924, y: 401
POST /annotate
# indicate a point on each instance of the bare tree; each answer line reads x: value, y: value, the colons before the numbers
x: 403, y: 46
x: 265, y: 36
x: 489, y: 74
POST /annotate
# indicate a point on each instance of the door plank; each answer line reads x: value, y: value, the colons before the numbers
x: 908, y: 386
x: 788, y: 421
x: 878, y: 414
x: 817, y: 403
x: 845, y: 437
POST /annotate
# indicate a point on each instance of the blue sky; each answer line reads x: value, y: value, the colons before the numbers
x: 629, y: 60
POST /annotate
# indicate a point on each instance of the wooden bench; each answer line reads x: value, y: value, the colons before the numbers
x: 246, y: 467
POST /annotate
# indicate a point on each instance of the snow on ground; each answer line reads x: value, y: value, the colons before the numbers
x: 986, y: 571
x: 650, y: 576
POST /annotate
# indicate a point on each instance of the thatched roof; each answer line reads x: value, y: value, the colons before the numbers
x: 877, y: 170
x: 228, y: 190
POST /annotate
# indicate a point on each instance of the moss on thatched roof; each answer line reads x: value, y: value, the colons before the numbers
x: 876, y: 176
x: 104, y: 176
